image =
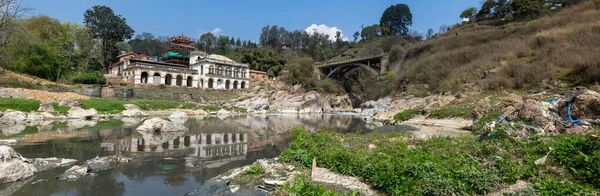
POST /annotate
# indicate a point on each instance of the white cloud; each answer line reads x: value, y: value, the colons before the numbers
x: 217, y: 31
x: 324, y: 29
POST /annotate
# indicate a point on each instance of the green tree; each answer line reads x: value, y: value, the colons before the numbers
x: 356, y: 35
x: 42, y: 48
x: 469, y: 13
x: 146, y: 43
x: 11, y: 11
x: 300, y: 71
x: 208, y: 42
x: 526, y: 8
x: 485, y: 12
x: 86, y: 54
x: 238, y: 43
x: 223, y: 44
x: 109, y: 28
x: 396, y: 19
x: 262, y: 59
x: 370, y: 32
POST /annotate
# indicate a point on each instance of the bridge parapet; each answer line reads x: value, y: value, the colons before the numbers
x: 345, y: 61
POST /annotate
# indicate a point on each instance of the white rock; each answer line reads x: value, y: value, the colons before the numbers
x: 133, y: 113
x: 13, y: 118
x: 80, y: 113
x: 178, y: 114
x: 69, y: 103
x: 12, y: 166
x: 74, y: 173
x: 132, y: 107
x: 46, y: 107
x: 223, y: 112
x: 157, y: 125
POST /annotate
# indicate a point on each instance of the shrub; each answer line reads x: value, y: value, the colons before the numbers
x: 452, y: 112
x: 61, y: 109
x: 255, y: 169
x: 89, y: 78
x: 301, y: 185
x: 509, y: 17
x: 406, y: 115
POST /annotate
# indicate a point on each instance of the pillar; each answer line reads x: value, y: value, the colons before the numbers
x: 203, y: 138
x: 162, y: 80
x: 383, y: 65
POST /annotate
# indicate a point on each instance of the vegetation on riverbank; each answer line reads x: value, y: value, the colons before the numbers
x: 109, y: 106
x: 401, y: 165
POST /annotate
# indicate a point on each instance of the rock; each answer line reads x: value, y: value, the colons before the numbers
x: 132, y: 112
x: 257, y: 104
x: 201, y: 112
x: 310, y: 96
x: 34, y: 116
x: 69, y: 103
x: 7, y: 142
x: 372, y: 146
x: 178, y: 115
x: 369, y: 108
x: 105, y: 163
x: 75, y: 173
x: 341, y: 103
x: 586, y: 105
x: 80, y: 113
x: 12, y: 129
x: 12, y: 118
x: 131, y: 107
x: 46, y: 107
x: 157, y: 125
x: 12, y: 166
x: 44, y: 164
x: 223, y: 112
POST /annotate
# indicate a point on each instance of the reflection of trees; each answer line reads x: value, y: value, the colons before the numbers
x: 176, y: 178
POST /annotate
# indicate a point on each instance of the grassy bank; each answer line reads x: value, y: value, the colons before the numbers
x: 108, y: 106
x: 400, y: 165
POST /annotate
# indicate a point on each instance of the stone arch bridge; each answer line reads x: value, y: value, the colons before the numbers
x: 374, y: 64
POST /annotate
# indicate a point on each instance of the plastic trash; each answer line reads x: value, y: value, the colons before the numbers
x: 542, y: 160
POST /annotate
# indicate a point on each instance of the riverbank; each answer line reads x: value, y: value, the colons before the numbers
x: 400, y: 164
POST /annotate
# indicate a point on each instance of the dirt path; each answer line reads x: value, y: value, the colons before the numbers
x: 43, y: 96
x: 438, y: 127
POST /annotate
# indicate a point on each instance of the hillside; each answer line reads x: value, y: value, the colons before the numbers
x: 563, y: 47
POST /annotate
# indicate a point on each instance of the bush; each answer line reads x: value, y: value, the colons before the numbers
x: 255, y: 169
x: 406, y: 115
x: 301, y: 185
x: 89, y: 78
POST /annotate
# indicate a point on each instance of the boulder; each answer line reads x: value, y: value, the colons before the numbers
x: 157, y: 125
x: 132, y: 112
x: 34, y: 116
x: 257, y: 104
x: 178, y: 115
x: 46, y: 107
x: 12, y: 118
x: 586, y: 105
x: 80, y: 113
x: 131, y: 107
x: 370, y: 108
x: 75, y: 173
x: 201, y: 112
x: 223, y: 112
x: 69, y: 103
x: 44, y: 164
x: 12, y: 166
x: 341, y: 103
x: 105, y: 163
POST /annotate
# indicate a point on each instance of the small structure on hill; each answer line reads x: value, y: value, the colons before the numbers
x: 182, y: 65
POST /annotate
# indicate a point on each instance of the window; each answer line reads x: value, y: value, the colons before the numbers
x: 220, y: 71
x: 236, y: 73
x: 243, y: 73
x: 211, y: 70
x: 228, y: 72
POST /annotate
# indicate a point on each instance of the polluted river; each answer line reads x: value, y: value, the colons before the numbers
x: 172, y: 164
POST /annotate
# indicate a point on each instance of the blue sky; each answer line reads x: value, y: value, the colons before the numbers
x: 245, y: 18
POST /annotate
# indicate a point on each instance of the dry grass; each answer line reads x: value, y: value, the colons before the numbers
x: 564, y: 45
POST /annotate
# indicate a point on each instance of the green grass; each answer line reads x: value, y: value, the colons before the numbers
x: 452, y: 112
x: 24, y: 105
x: 255, y: 169
x: 406, y: 115
x: 449, y: 166
x: 113, y: 106
x: 61, y: 109
x: 301, y: 185
x: 211, y: 108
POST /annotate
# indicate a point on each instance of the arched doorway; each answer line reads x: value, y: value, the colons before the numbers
x: 156, y: 79
x: 235, y: 84
x: 189, y: 81
x: 168, y: 79
x: 243, y: 85
x: 219, y: 84
x: 227, y: 84
x: 211, y: 83
x: 179, y: 80
x: 144, y: 78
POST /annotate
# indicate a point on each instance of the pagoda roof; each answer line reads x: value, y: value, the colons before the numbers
x: 182, y: 39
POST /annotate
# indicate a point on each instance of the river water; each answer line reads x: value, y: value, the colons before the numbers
x: 158, y: 165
